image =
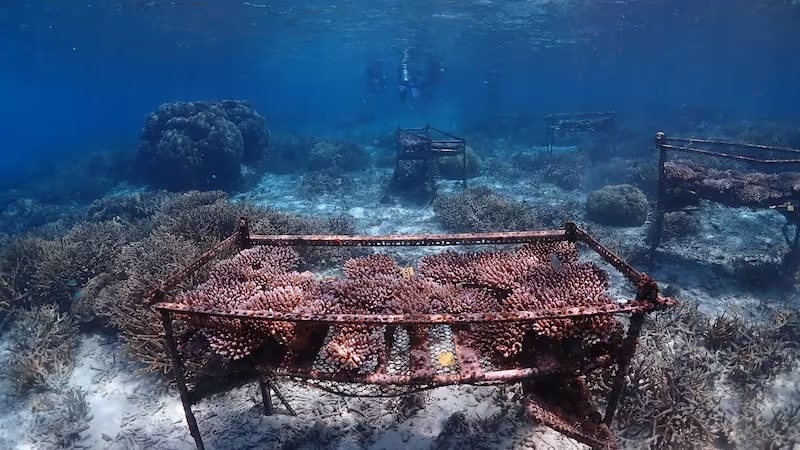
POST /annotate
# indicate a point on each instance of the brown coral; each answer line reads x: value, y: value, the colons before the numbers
x: 732, y: 187
x: 534, y: 277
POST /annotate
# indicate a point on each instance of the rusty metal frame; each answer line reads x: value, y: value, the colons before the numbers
x: 437, y: 144
x: 579, y: 122
x: 666, y: 144
x: 647, y: 299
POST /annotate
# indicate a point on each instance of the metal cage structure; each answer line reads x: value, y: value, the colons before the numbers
x: 585, y: 122
x: 682, y: 184
x: 426, y: 144
x: 555, y: 395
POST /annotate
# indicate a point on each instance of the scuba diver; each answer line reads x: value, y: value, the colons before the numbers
x: 376, y: 78
x: 416, y: 82
x: 408, y: 85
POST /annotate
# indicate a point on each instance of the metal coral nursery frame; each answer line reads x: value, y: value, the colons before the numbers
x: 581, y: 122
x: 725, y: 151
x: 540, y: 379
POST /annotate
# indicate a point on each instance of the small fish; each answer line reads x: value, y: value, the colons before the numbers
x: 555, y: 262
x: 407, y: 272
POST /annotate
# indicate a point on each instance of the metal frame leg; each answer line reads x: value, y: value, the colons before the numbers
x: 180, y: 380
x: 623, y: 362
x: 266, y: 397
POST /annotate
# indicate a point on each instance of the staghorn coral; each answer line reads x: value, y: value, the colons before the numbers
x: 670, y: 399
x: 723, y: 331
x: 756, y: 353
x: 141, y: 267
x: 325, y: 182
x: 19, y: 260
x: 481, y: 210
x: 770, y: 427
x: 87, y: 250
x: 203, y: 217
x: 60, y: 418
x: 43, y: 344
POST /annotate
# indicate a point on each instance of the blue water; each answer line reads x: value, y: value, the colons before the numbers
x: 81, y: 75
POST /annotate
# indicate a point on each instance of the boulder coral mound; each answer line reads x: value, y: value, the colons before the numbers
x: 620, y: 205
x: 201, y: 145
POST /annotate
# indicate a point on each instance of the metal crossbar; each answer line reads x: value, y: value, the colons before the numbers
x: 715, y: 149
x: 407, y: 361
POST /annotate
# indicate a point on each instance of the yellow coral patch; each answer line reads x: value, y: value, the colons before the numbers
x: 447, y: 359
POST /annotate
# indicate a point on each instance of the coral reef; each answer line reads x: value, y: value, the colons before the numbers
x: 19, y: 259
x: 682, y: 395
x: 481, y: 209
x: 265, y: 278
x: 452, y: 167
x: 414, y: 180
x: 555, y: 213
x: 679, y: 224
x: 141, y: 267
x: 60, y: 418
x: 186, y: 145
x: 315, y: 184
x: 127, y: 208
x: 337, y: 156
x: 670, y: 400
x: 288, y: 153
x: 43, y: 343
x: 617, y: 205
x: 563, y: 169
x: 732, y: 187
x: 87, y: 250
x: 159, y: 233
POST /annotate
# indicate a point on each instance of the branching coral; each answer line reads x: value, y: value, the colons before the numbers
x: 670, y: 400
x: 315, y: 184
x: 255, y: 279
x: 60, y: 417
x: 692, y: 373
x: 86, y: 251
x: 43, y: 344
x: 19, y: 260
x: 532, y: 277
x: 482, y: 210
x: 143, y: 265
x: 732, y: 187
x: 723, y: 331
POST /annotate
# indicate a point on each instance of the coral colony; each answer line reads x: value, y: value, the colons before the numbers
x: 535, y: 313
